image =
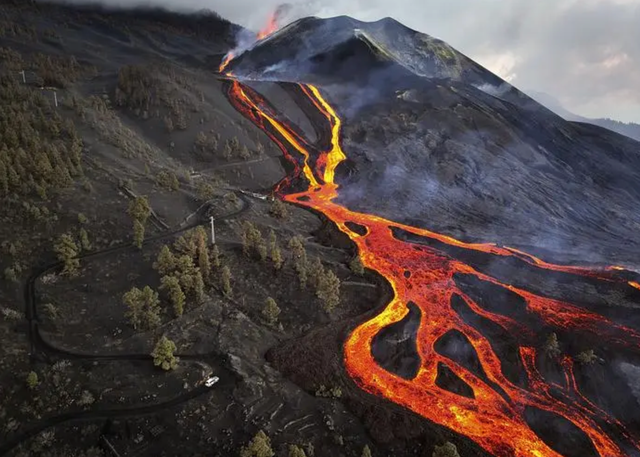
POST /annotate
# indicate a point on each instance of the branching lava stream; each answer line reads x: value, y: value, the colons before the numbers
x: 494, y: 417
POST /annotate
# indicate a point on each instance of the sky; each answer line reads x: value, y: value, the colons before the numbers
x: 585, y: 53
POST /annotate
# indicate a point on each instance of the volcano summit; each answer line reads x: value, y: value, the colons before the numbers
x: 364, y: 236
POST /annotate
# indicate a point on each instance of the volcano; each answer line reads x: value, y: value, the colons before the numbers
x: 473, y: 202
x: 410, y: 254
x: 462, y: 149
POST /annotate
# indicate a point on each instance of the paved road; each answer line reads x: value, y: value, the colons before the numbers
x: 39, y: 345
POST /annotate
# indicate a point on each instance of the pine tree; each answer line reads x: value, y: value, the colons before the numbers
x: 271, y: 311
x: 328, y: 290
x: 278, y: 209
x: 139, y: 210
x: 227, y: 152
x: 138, y: 233
x: 252, y: 241
x: 198, y: 286
x: 259, y: 446
x: 316, y: 270
x: 201, y: 141
x: 356, y: 266
x: 32, y: 380
x: 205, y: 191
x: 244, y: 153
x: 151, y: 316
x: 225, y: 280
x: 296, y: 451
x: 171, y: 285
x: 14, y: 178
x: 552, y: 346
x: 446, y: 450
x: 143, y: 307
x: 164, y: 354
x: 296, y: 244
x: 187, y: 245
x: 168, y: 124
x: 204, y: 263
x: 84, y: 240
x: 186, y: 271
x: 67, y: 252
x: 276, y: 258
x: 165, y: 262
x: 215, y: 256
x: 135, y: 307
x: 261, y: 249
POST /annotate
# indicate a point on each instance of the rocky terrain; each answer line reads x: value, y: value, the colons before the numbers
x: 126, y: 141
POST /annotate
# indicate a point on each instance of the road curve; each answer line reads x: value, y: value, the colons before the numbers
x: 39, y: 345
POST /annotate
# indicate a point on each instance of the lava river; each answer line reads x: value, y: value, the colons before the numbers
x: 494, y: 415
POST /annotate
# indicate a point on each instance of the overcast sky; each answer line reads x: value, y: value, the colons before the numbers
x: 586, y: 53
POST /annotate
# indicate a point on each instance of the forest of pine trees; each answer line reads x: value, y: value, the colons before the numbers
x: 40, y: 151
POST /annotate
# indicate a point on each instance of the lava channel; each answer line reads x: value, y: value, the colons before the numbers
x: 494, y: 415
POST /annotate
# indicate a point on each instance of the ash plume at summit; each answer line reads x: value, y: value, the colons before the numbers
x: 537, y: 46
x: 322, y: 234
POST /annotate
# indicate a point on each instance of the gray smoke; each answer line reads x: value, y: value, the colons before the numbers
x: 585, y: 53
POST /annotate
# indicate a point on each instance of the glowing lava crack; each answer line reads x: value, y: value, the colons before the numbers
x: 494, y: 417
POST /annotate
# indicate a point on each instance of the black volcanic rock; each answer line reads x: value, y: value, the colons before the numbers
x: 438, y: 141
x: 297, y: 50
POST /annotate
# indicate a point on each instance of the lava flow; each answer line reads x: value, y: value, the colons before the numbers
x: 272, y: 26
x: 494, y: 416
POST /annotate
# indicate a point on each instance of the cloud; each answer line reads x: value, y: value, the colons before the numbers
x: 586, y: 53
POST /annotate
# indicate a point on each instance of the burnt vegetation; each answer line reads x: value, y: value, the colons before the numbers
x: 118, y: 152
x: 99, y: 151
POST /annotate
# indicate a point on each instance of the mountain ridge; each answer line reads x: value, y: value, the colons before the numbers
x: 628, y: 129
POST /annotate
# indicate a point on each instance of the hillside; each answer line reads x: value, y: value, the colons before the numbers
x: 144, y: 146
x: 471, y: 155
x: 628, y: 129
x: 378, y: 201
x: 450, y: 183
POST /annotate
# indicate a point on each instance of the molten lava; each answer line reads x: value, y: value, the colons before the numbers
x: 225, y: 62
x: 494, y: 416
x: 272, y: 26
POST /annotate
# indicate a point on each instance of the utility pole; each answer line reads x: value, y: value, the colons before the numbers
x: 55, y: 98
x: 24, y: 77
x: 213, y: 232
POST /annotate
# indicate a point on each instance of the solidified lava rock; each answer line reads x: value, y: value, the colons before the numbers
x: 394, y: 348
x: 448, y: 380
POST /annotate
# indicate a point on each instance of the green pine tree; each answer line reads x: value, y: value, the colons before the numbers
x: 164, y: 354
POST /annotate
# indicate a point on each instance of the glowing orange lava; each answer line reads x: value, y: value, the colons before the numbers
x: 272, y: 26
x: 225, y: 62
x: 494, y: 417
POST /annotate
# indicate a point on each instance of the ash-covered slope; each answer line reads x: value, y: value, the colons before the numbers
x: 445, y: 144
x: 305, y: 47
x: 343, y: 49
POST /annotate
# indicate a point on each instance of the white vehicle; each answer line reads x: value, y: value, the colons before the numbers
x: 211, y: 381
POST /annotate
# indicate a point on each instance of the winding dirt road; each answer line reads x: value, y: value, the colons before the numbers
x: 39, y: 346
